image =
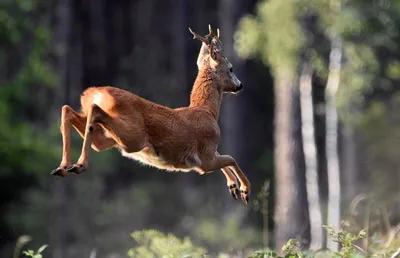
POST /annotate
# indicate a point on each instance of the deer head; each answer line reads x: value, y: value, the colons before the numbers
x: 211, y: 57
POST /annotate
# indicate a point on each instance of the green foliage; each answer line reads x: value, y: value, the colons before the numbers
x: 35, y: 254
x: 27, y: 149
x: 152, y: 243
x: 224, y: 234
x: 276, y: 38
x: 23, y: 240
x: 289, y: 250
x: 368, y: 31
x: 348, y: 249
x: 393, y: 70
x: 19, y: 138
x: 347, y: 240
x: 20, y: 25
x: 357, y: 77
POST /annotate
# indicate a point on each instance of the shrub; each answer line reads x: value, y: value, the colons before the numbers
x: 152, y: 243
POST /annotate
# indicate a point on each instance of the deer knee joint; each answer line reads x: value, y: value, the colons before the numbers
x: 97, y: 113
x: 95, y: 107
x: 65, y: 108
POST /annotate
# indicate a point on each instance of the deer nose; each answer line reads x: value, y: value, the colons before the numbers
x: 240, y: 87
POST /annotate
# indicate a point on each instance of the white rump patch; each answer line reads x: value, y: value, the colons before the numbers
x: 97, y: 98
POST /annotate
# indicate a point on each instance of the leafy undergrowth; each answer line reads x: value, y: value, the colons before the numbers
x: 153, y: 244
x: 347, y: 241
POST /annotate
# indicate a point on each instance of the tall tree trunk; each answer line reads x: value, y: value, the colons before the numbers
x: 291, y: 213
x: 308, y: 25
x: 332, y: 158
x: 58, y: 228
x: 310, y: 153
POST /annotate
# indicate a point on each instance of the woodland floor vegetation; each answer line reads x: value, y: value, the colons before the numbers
x: 153, y: 244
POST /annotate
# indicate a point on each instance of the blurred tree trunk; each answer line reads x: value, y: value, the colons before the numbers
x: 59, y: 224
x: 310, y: 153
x: 308, y: 132
x: 332, y: 158
x: 349, y: 164
x: 291, y: 213
x: 232, y: 141
x: 179, y: 42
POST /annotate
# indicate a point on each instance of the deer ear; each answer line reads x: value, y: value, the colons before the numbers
x: 204, y: 52
x: 215, y: 49
x: 215, y: 55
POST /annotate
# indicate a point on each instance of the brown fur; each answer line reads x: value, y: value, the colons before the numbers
x: 181, y: 139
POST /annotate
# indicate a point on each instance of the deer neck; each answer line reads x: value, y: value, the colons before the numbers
x: 206, y: 93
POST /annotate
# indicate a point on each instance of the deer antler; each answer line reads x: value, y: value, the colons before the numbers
x: 211, y: 34
x: 197, y: 36
x: 207, y: 38
x: 212, y: 42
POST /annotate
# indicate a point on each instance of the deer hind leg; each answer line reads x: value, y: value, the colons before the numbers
x: 223, y: 161
x: 70, y: 117
x: 98, y: 119
x: 231, y: 181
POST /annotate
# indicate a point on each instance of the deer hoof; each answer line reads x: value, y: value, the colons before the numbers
x: 76, y: 169
x: 234, y: 191
x: 60, y: 171
x: 245, y: 196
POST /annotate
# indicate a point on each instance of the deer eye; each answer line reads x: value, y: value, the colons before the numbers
x: 231, y: 70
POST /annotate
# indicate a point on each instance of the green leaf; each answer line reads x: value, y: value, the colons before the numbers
x: 29, y: 253
x: 42, y: 248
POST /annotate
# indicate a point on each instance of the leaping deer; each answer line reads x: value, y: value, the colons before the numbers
x: 181, y: 139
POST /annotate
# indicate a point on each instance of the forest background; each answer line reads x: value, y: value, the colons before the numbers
x: 316, y: 129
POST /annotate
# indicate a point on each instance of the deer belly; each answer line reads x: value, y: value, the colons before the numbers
x: 148, y: 156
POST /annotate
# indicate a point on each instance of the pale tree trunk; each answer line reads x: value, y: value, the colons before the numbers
x: 310, y: 155
x: 59, y: 206
x: 291, y: 212
x: 332, y: 158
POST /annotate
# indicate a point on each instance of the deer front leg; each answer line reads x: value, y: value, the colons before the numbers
x: 222, y: 161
